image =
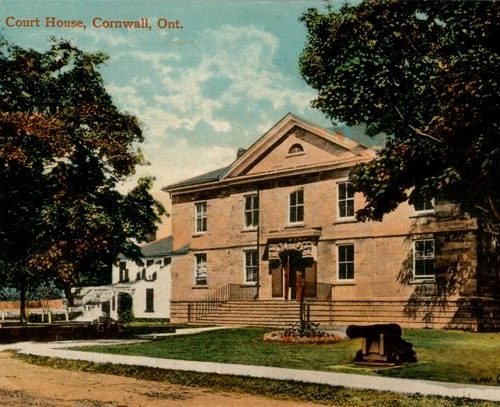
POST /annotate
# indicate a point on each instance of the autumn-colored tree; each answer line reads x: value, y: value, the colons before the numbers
x: 64, y: 149
x: 425, y: 73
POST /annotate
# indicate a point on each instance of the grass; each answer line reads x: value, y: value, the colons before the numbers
x: 451, y: 356
x: 277, y: 389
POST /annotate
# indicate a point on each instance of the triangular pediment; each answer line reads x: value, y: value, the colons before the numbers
x: 294, y: 143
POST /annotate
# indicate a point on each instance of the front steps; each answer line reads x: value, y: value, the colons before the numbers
x: 253, y: 313
x: 281, y: 313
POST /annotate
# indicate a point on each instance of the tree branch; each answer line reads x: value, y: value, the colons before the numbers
x: 418, y: 131
x: 421, y: 133
x: 494, y: 209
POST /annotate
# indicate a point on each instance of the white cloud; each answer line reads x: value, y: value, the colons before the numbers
x: 158, y: 121
x: 111, y: 38
x: 175, y: 163
x: 127, y: 96
x: 232, y: 75
x: 242, y: 58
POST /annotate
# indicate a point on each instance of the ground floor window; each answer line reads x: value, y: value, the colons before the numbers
x: 423, y: 258
x: 150, y: 298
x: 200, y: 268
x: 345, y: 261
x: 251, y: 265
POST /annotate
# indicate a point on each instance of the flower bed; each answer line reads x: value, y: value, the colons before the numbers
x: 327, y: 337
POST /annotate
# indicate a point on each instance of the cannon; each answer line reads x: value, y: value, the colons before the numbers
x: 382, y: 345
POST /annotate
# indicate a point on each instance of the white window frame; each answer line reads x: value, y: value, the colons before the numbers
x: 339, y: 263
x: 253, y: 266
x: 346, y: 200
x: 424, y: 211
x: 297, y: 205
x: 196, y: 273
x: 254, y: 212
x: 423, y: 257
x: 200, y: 215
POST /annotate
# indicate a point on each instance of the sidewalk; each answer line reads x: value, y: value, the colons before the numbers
x: 409, y: 386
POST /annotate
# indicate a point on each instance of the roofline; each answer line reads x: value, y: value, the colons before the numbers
x: 280, y: 127
x: 194, y: 182
x: 245, y: 179
x: 297, y: 121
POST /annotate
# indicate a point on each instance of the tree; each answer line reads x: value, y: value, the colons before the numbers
x: 64, y: 149
x: 426, y: 74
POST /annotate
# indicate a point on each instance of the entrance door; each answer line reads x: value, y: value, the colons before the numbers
x: 293, y: 270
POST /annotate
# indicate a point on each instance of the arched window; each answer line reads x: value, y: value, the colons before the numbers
x: 296, y: 148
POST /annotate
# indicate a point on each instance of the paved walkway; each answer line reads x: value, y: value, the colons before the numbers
x: 410, y: 386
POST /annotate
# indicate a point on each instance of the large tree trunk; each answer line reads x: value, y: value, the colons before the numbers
x: 70, y: 298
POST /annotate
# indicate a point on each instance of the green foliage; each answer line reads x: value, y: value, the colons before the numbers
x: 45, y: 291
x: 64, y: 149
x: 125, y: 303
x: 426, y: 74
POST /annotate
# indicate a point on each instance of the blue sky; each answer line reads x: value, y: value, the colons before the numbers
x: 200, y: 92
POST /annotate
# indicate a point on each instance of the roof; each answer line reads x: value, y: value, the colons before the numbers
x: 261, y: 145
x: 160, y: 247
x: 207, y: 177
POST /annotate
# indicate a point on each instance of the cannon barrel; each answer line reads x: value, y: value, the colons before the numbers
x: 363, y: 331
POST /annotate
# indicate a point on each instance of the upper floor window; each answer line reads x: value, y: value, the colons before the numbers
x: 251, y: 265
x: 345, y: 200
x: 296, y: 148
x: 423, y: 258
x: 296, y: 207
x: 345, y: 263
x: 123, y: 277
x: 201, y: 217
x: 251, y: 211
x: 425, y: 206
x: 200, y: 277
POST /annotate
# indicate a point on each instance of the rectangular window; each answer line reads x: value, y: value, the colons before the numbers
x: 423, y: 258
x: 296, y: 208
x: 150, y: 262
x: 425, y: 206
x: 123, y: 278
x: 200, y: 269
x: 345, y: 200
x: 201, y: 217
x: 251, y: 211
x: 346, y: 261
x: 150, y: 298
x: 251, y: 265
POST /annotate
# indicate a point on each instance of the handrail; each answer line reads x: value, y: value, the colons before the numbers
x: 228, y: 292
x: 243, y: 292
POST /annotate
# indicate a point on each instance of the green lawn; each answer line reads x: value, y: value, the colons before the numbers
x: 454, y: 356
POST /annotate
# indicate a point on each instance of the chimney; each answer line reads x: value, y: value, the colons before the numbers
x: 240, y: 152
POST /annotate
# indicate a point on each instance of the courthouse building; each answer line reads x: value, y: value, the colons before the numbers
x: 278, y: 224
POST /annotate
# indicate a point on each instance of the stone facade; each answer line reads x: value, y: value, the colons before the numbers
x: 416, y: 267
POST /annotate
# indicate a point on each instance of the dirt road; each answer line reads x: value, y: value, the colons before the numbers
x: 23, y: 384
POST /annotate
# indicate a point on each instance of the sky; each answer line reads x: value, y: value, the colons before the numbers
x: 218, y: 79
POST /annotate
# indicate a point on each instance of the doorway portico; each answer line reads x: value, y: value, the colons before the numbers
x: 292, y: 264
